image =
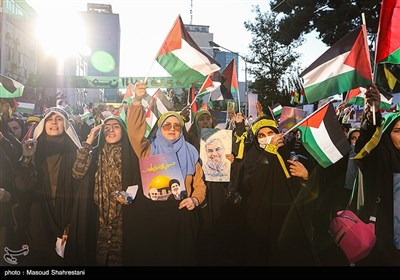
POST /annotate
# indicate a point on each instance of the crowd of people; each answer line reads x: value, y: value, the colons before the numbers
x: 66, y: 191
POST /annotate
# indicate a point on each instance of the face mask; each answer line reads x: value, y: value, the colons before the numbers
x: 263, y: 142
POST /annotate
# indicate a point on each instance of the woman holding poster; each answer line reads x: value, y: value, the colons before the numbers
x: 218, y: 218
x: 171, y: 222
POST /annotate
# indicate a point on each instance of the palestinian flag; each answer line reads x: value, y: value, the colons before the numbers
x: 204, y: 106
x: 10, y: 88
x: 193, y: 106
x: 151, y: 115
x: 217, y: 93
x: 386, y: 101
x: 180, y: 56
x: 388, y: 48
x: 192, y: 98
x: 276, y: 110
x: 158, y: 105
x: 128, y: 96
x: 357, y: 97
x: 346, y: 65
x: 323, y: 136
x: 230, y: 85
x: 209, y: 86
x: 29, y: 133
x: 25, y: 107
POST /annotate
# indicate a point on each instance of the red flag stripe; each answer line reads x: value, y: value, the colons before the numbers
x: 388, y: 30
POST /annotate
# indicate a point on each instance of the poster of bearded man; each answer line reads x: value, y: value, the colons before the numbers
x: 215, y: 144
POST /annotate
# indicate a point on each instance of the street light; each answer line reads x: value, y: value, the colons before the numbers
x: 215, y: 45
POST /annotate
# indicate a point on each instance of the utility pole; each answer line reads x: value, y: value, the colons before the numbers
x: 191, y: 11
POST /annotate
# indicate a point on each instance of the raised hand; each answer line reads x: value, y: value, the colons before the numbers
x: 259, y: 109
x: 373, y: 97
x: 140, y: 90
x: 239, y: 118
x: 93, y: 133
x: 29, y: 148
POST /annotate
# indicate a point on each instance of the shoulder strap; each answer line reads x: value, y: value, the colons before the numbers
x: 359, y: 184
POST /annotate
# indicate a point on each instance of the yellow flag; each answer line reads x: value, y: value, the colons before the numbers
x: 390, y: 78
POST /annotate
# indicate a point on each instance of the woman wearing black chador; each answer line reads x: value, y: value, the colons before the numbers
x: 275, y: 196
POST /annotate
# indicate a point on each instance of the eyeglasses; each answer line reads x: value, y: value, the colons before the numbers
x: 167, y: 126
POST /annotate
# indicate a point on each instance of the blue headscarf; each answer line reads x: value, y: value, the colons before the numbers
x: 186, y: 153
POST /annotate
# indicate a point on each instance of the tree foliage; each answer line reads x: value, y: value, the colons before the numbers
x: 177, y: 97
x: 332, y: 19
x: 271, y: 62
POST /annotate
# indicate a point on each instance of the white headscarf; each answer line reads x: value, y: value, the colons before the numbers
x: 68, y: 128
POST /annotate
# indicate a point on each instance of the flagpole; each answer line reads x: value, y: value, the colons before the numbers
x: 148, y: 72
x: 245, y: 82
x: 194, y: 100
x: 375, y: 71
x: 299, y: 123
x: 272, y: 113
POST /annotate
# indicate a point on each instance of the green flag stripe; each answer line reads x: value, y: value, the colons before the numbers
x: 6, y: 94
x: 179, y: 70
x: 312, y: 147
x: 360, y: 101
x: 335, y: 85
x: 394, y: 57
x: 327, y: 143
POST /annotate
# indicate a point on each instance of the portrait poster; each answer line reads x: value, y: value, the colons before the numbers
x: 162, y: 177
x: 289, y: 117
x: 214, y: 145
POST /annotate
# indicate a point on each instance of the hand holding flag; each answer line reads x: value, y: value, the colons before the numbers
x: 373, y: 99
x: 139, y: 90
x: 322, y: 136
x: 29, y: 134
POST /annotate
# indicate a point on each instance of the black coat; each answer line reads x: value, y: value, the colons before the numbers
x: 278, y: 212
x: 83, y: 231
x: 378, y: 169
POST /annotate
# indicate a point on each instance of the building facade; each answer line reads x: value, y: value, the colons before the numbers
x: 202, y: 37
x: 18, y: 46
x: 103, y: 37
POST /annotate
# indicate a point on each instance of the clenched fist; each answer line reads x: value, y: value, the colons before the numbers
x: 29, y: 148
x: 373, y: 97
x: 140, y: 90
